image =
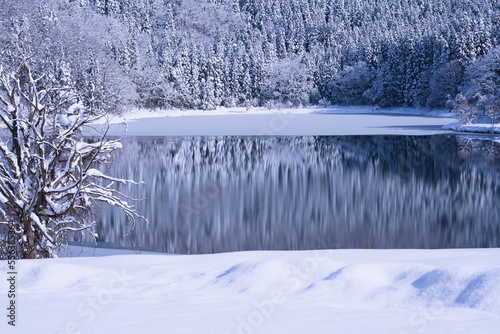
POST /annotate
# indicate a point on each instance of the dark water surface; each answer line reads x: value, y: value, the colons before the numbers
x: 255, y: 193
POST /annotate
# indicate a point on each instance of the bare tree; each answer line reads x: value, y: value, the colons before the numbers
x: 49, y: 179
x: 468, y: 113
x: 492, y: 109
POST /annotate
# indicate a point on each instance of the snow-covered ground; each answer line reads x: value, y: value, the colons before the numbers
x: 282, y: 122
x: 328, y: 291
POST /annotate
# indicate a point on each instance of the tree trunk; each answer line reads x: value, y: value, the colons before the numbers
x: 29, y: 249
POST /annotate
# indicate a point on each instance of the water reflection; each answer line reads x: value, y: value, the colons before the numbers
x: 229, y: 194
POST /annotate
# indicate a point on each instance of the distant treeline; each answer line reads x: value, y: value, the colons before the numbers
x: 208, y: 53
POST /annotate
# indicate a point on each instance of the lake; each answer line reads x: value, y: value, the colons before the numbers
x: 219, y: 194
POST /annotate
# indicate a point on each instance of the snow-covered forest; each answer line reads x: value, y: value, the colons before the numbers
x: 208, y: 53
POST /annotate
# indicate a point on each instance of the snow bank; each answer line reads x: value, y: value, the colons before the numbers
x: 479, y: 128
x: 329, y: 291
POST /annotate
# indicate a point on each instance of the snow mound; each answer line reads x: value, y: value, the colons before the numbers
x: 346, y: 291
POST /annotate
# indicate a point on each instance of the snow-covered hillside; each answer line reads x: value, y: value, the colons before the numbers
x: 328, y: 291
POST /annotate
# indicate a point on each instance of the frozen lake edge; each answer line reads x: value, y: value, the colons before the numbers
x: 285, y: 122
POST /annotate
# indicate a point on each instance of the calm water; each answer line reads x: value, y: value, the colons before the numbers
x: 228, y: 194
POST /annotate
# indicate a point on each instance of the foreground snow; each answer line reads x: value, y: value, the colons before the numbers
x: 282, y: 122
x: 340, y: 291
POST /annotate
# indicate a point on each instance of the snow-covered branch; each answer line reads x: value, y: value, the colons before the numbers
x: 49, y: 176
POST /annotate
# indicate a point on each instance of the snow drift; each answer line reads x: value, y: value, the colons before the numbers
x: 342, y: 291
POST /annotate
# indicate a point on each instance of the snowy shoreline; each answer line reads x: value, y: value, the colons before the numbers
x: 313, y: 121
x: 350, y: 120
x: 325, y: 291
x: 474, y: 128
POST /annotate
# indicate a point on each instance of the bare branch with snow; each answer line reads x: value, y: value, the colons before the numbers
x: 49, y: 176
